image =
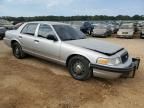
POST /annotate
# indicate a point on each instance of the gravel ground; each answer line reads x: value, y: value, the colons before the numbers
x: 35, y: 83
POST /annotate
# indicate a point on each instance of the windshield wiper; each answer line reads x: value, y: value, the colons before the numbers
x: 82, y: 38
x: 69, y: 39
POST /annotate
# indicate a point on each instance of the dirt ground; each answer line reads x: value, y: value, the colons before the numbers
x: 35, y: 83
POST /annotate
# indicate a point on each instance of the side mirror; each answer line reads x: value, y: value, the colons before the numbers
x: 52, y: 37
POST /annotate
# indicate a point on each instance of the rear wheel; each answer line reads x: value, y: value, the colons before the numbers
x: 79, y: 68
x: 17, y: 51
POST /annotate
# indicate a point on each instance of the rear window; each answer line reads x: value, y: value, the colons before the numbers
x: 29, y: 29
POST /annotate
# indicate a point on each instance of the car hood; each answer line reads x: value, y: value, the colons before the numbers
x: 97, y: 45
x: 126, y: 30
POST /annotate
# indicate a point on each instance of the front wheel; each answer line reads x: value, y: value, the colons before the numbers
x: 79, y: 68
x: 17, y: 51
x: 141, y: 36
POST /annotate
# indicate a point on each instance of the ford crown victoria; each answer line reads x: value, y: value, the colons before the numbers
x: 84, y: 57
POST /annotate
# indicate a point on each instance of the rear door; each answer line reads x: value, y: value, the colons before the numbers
x: 27, y: 37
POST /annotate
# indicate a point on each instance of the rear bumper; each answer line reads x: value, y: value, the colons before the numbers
x: 112, y: 73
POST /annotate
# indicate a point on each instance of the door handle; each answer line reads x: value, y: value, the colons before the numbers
x: 20, y: 37
x: 36, y: 41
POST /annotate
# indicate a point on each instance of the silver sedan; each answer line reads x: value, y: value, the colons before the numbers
x: 101, y: 30
x: 61, y: 43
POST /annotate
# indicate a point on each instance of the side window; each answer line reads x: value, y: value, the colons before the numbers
x: 44, y: 31
x: 29, y: 29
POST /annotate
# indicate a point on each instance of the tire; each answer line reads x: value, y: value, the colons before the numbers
x: 79, y: 68
x: 17, y: 51
x: 1, y: 37
x: 130, y: 37
x: 141, y: 36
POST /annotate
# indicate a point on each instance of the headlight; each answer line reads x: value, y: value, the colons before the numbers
x: 102, y: 61
x: 106, y: 61
x: 115, y: 61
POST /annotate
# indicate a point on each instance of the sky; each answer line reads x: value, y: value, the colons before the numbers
x: 19, y: 8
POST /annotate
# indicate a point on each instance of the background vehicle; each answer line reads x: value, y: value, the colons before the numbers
x: 16, y: 26
x: 139, y: 26
x: 2, y: 32
x: 126, y: 30
x: 101, y: 30
x: 142, y: 32
x: 87, y: 28
x: 65, y: 45
x: 76, y: 26
x: 7, y: 24
x: 113, y: 27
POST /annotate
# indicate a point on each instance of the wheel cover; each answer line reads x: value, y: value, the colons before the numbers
x: 16, y: 52
x: 78, y: 68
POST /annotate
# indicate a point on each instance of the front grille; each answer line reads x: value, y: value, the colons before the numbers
x: 124, y: 57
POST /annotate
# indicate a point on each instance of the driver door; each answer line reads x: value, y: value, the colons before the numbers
x: 45, y: 47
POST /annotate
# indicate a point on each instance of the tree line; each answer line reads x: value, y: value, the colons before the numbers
x: 73, y: 18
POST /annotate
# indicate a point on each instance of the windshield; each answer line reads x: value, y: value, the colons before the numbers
x: 100, y: 26
x: 67, y: 32
x: 126, y: 27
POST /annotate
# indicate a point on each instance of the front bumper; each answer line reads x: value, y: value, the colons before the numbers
x: 100, y: 35
x: 125, y: 36
x: 113, y: 73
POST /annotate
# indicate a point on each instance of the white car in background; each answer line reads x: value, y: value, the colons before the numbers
x: 126, y: 30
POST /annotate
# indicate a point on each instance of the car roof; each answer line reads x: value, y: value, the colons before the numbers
x: 49, y: 22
